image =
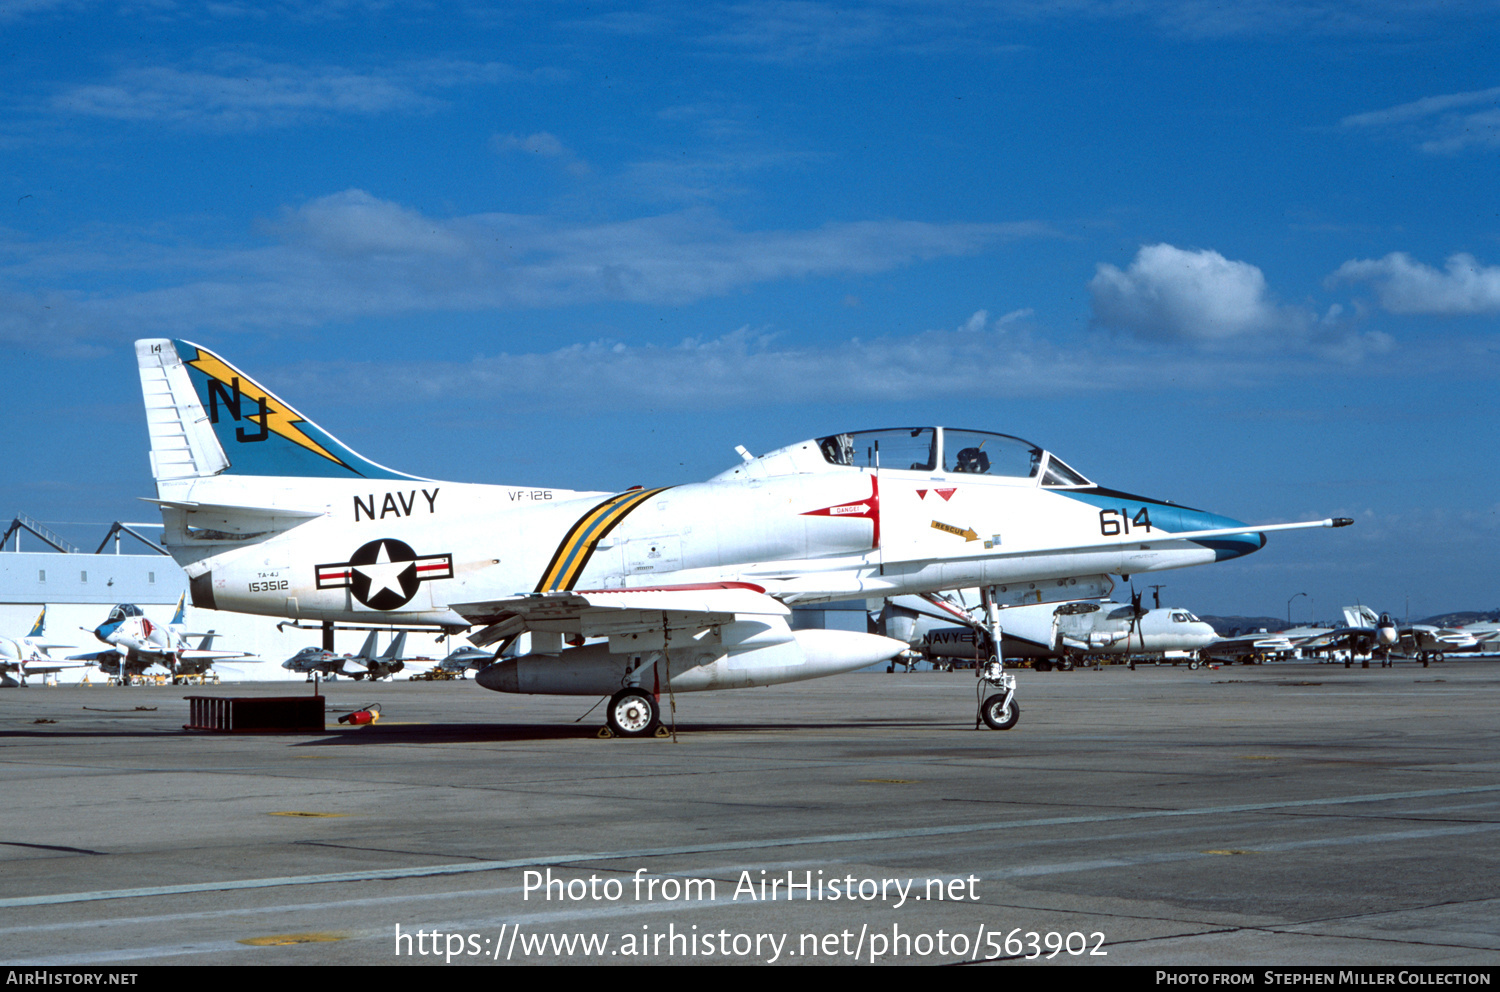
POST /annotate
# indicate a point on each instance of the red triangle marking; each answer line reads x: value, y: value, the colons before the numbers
x: 947, y: 494
x: 921, y: 494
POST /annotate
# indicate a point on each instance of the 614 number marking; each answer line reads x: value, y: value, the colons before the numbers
x: 1113, y: 522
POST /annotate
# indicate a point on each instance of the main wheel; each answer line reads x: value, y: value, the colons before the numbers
x: 632, y: 713
x: 1000, y: 712
x: 1041, y: 665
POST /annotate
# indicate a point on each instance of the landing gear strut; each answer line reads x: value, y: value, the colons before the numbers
x: 999, y: 711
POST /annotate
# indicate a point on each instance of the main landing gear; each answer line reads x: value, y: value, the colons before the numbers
x: 633, y: 713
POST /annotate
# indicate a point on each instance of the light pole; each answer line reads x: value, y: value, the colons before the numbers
x: 1289, y: 608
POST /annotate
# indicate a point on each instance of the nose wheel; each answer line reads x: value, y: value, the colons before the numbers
x: 632, y: 713
x: 999, y: 711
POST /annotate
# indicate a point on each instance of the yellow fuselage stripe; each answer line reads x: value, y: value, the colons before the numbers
x: 578, y: 546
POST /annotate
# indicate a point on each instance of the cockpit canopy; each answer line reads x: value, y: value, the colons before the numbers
x: 945, y: 449
x: 122, y: 612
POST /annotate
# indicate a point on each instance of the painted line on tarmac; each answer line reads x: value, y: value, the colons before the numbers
x: 375, y: 874
x: 597, y: 914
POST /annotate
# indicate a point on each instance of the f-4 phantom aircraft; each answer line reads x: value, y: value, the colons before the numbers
x: 23, y: 656
x: 684, y: 587
x: 136, y: 643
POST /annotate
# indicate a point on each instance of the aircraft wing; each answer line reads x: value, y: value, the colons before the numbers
x: 198, y: 654
x: 111, y: 655
x: 1249, y: 642
x: 1428, y: 638
x: 617, y: 612
x: 48, y: 666
x: 1336, y: 637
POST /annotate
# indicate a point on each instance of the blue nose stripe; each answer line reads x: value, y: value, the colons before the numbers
x: 1175, y: 519
x: 1225, y: 548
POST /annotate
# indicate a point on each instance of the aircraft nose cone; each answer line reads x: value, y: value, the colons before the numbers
x: 1224, y: 548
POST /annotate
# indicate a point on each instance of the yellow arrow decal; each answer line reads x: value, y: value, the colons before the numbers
x: 967, y: 535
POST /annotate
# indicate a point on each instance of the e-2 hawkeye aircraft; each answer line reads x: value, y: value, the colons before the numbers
x: 690, y: 584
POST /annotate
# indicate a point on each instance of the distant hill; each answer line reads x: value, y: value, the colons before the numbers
x: 1461, y: 618
x: 1234, y: 626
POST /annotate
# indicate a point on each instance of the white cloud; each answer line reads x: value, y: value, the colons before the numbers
x: 1405, y: 286
x: 752, y: 367
x: 542, y: 145
x: 352, y: 254
x: 237, y: 93
x: 1169, y: 294
x: 1440, y: 124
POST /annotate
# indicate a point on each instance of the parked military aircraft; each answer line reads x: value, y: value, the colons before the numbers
x: 1250, y: 648
x: 23, y: 656
x: 136, y: 644
x: 1364, y: 633
x: 461, y: 660
x: 1049, y: 634
x: 1428, y: 643
x: 1486, y: 634
x: 365, y: 664
x: 690, y: 584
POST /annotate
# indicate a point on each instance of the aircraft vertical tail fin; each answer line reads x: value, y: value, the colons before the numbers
x: 398, y: 645
x: 179, y: 618
x: 39, y: 627
x: 368, y: 651
x: 208, y: 418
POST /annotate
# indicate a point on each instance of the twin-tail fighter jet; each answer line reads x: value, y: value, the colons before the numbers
x: 684, y: 588
x: 367, y: 664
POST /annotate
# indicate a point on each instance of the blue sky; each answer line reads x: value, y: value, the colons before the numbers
x: 1243, y: 256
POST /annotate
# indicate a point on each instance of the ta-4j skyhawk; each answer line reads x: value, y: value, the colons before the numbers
x: 684, y: 588
x: 137, y: 644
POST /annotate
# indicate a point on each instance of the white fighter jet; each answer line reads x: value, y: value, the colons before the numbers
x: 23, y: 656
x: 684, y: 588
x: 137, y: 643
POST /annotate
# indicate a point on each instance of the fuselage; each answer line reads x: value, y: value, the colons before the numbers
x: 817, y: 521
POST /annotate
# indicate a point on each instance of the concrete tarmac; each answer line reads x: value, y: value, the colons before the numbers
x: 1288, y: 814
